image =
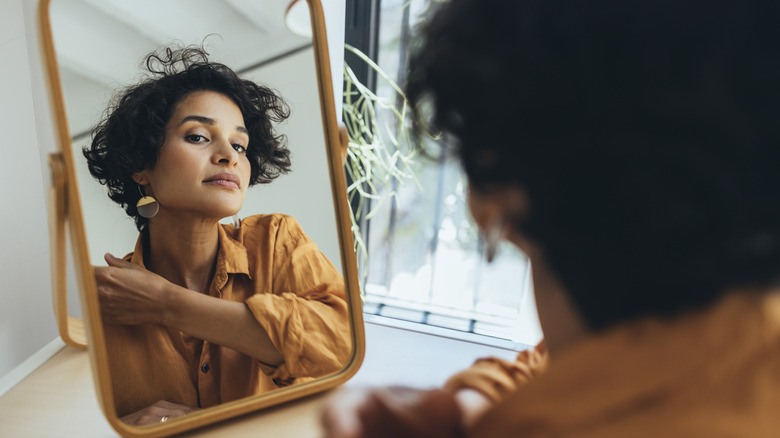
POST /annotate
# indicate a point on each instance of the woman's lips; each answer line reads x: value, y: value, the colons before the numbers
x: 223, y: 183
x: 227, y: 180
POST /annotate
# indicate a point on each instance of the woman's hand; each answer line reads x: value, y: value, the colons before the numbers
x: 129, y: 294
x: 393, y: 412
x: 473, y: 405
x: 159, y: 412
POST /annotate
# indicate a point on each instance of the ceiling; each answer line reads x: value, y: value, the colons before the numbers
x: 104, y: 41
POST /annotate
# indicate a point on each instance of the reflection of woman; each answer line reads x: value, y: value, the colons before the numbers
x: 631, y: 150
x: 203, y: 313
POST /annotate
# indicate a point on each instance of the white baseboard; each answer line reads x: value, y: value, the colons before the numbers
x: 31, y: 364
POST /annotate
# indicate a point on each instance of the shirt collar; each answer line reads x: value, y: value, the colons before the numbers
x: 232, y: 253
x: 137, y: 256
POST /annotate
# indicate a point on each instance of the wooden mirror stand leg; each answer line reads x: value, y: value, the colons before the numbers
x: 344, y: 143
x: 71, y: 329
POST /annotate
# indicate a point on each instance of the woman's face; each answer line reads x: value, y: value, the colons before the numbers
x: 202, y: 170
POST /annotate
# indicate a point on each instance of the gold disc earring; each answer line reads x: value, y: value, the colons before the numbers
x: 147, y: 206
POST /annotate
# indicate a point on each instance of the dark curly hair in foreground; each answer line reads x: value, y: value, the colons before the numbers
x: 127, y: 140
x: 644, y: 133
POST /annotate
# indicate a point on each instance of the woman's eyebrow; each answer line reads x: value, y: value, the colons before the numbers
x: 209, y: 121
x: 201, y: 119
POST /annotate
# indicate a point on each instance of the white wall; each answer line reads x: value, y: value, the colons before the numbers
x: 305, y: 192
x: 26, y: 319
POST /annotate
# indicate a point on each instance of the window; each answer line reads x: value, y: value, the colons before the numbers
x: 425, y: 263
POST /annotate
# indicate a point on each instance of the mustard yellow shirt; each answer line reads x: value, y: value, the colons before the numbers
x: 292, y: 290
x: 709, y: 373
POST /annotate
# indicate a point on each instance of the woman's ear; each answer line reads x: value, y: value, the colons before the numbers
x: 140, y: 178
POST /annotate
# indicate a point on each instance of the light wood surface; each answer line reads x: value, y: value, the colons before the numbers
x: 59, y: 400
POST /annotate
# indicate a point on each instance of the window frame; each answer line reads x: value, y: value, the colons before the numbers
x: 362, y: 32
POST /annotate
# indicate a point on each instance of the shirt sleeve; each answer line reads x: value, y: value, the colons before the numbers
x: 306, y: 314
x: 496, y: 378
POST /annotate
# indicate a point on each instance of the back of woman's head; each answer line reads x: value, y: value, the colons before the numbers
x: 128, y: 138
x: 645, y: 134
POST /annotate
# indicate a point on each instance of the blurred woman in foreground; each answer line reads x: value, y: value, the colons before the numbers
x: 630, y: 149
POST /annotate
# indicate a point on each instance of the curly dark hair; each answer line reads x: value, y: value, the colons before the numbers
x: 644, y: 133
x: 128, y: 138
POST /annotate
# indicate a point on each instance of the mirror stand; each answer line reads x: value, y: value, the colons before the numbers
x: 71, y: 329
x: 68, y: 226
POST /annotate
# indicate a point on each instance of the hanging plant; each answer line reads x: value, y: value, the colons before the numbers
x: 380, y: 150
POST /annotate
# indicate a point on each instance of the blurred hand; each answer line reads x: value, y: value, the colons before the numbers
x: 156, y: 412
x: 393, y: 412
x: 129, y: 294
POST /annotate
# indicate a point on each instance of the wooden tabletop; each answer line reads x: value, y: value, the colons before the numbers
x: 58, y: 399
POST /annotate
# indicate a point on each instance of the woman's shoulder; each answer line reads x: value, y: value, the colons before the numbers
x: 272, y: 220
x: 270, y: 224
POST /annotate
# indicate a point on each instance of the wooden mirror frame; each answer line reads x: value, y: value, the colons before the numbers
x: 65, y: 208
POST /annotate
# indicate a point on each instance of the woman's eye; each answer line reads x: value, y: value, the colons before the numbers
x: 196, y: 138
x: 239, y: 148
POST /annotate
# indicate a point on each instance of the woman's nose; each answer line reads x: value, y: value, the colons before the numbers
x: 225, y: 153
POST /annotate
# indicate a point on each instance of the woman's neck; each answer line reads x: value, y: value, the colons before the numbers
x: 183, y: 252
x: 561, y: 323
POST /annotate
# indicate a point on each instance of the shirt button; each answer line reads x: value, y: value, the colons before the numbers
x: 205, y: 368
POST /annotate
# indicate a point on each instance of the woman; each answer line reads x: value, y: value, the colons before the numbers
x: 202, y: 313
x: 630, y: 149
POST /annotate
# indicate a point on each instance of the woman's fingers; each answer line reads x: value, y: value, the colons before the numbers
x: 111, y: 260
x: 129, y: 294
x: 118, y: 263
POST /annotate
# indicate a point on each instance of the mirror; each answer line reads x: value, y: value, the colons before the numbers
x: 96, y: 47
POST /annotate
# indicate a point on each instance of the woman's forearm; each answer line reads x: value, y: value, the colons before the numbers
x: 222, y: 322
